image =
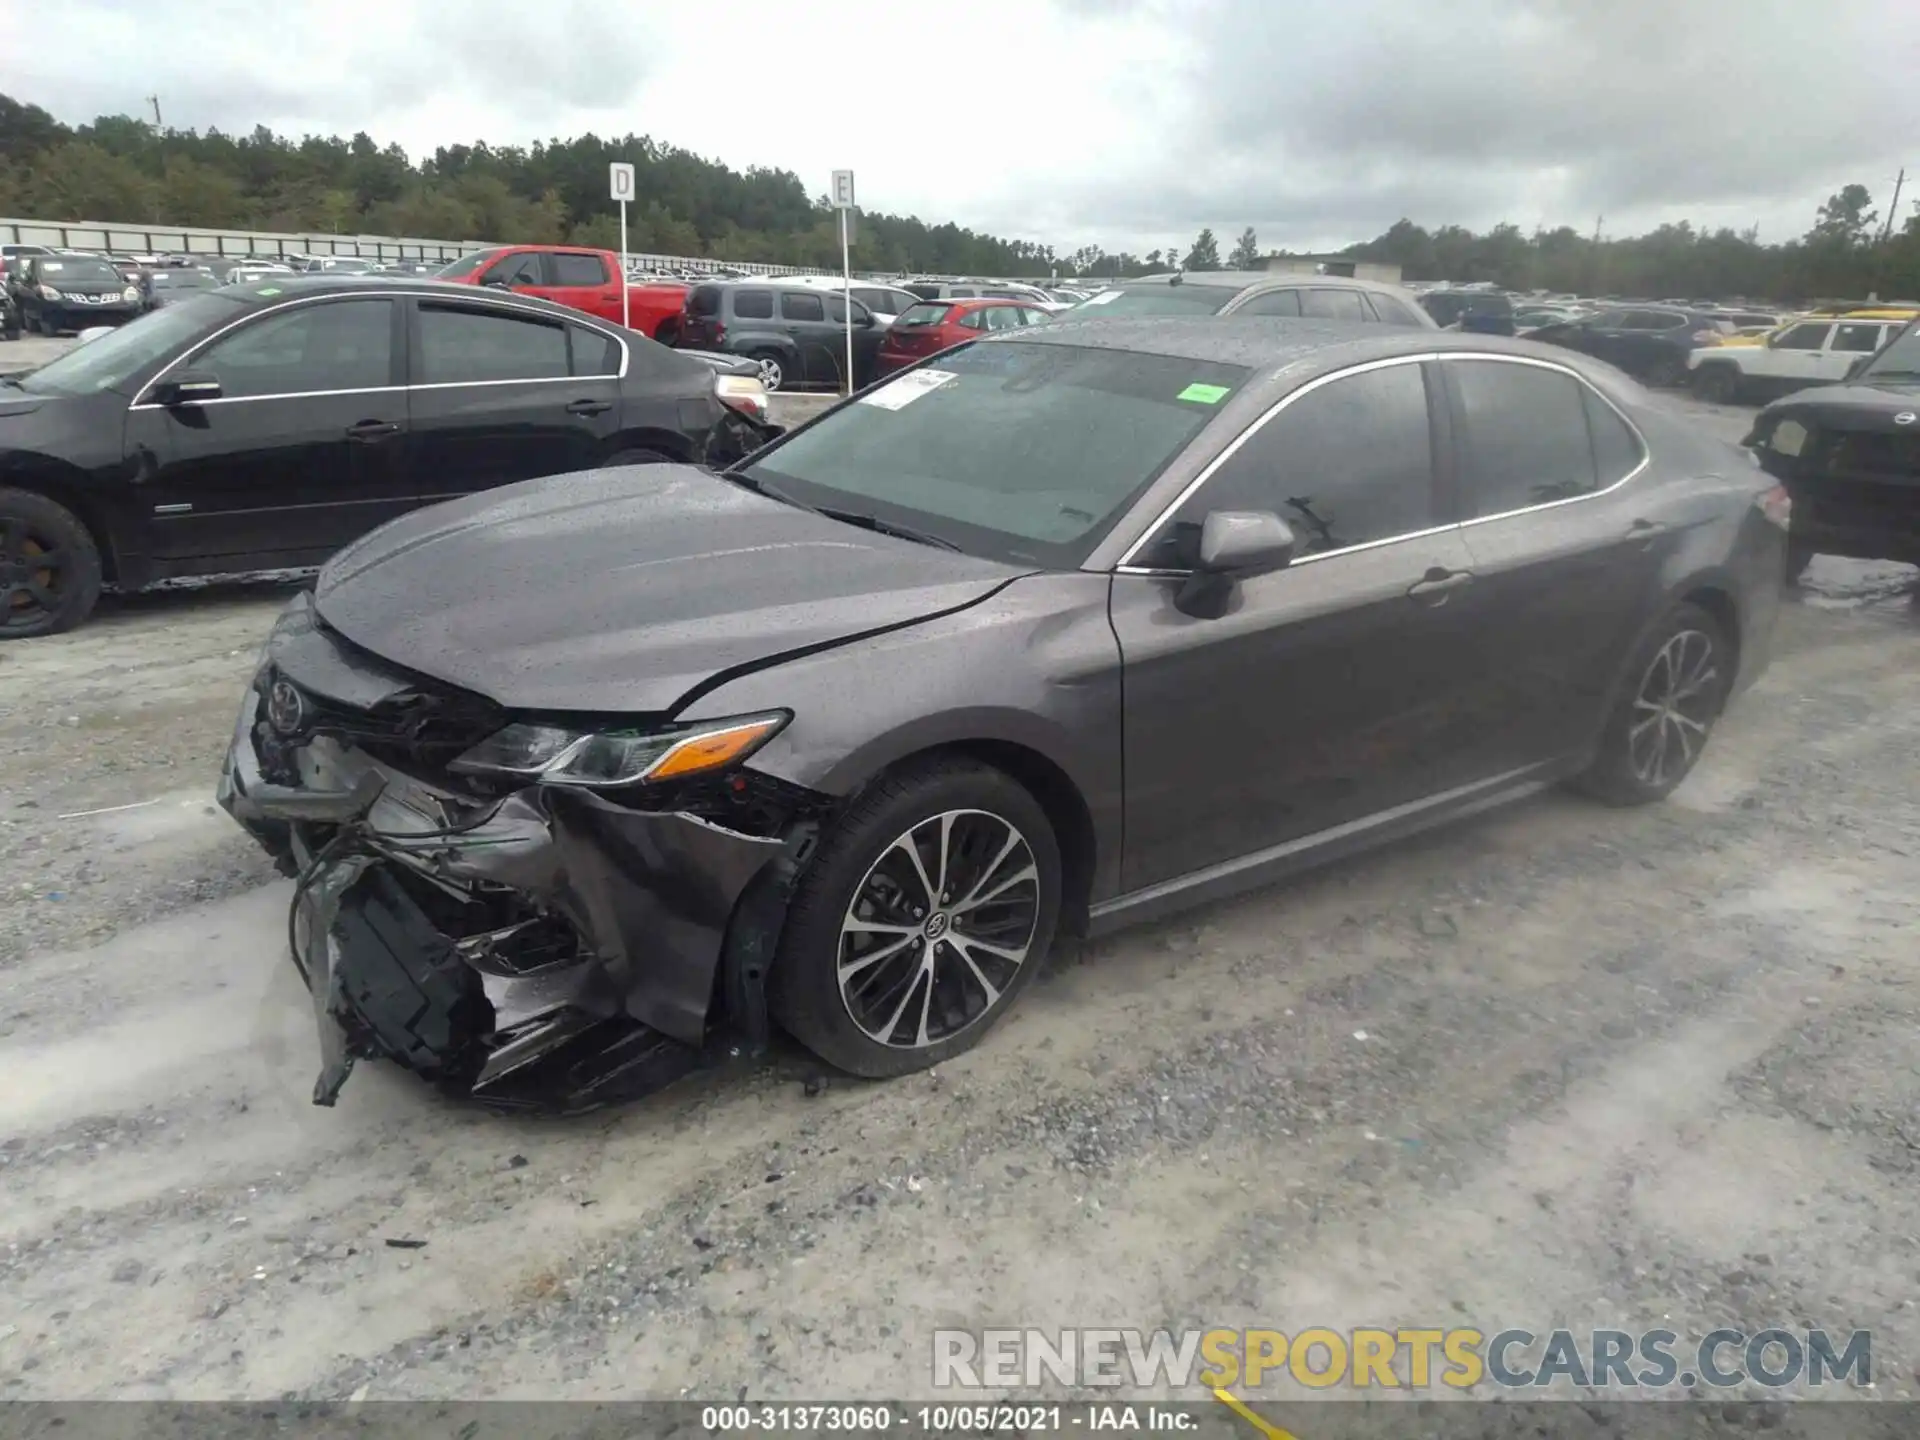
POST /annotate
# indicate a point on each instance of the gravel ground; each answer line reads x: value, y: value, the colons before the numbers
x: 1559, y: 1065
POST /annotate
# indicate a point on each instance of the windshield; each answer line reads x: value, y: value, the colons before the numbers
x: 69, y: 271
x: 465, y: 265
x: 1900, y: 360
x: 1018, y: 451
x: 1182, y: 299
x: 105, y: 363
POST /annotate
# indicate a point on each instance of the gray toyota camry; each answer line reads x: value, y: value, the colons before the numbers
x: 592, y: 776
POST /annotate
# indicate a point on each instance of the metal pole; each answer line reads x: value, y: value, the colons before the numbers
x: 626, y: 299
x: 846, y: 277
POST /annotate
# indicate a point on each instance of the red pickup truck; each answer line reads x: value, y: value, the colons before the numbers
x: 588, y: 280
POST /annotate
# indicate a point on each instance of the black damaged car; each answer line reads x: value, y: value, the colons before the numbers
x: 1056, y: 631
x: 1849, y: 455
x: 262, y: 427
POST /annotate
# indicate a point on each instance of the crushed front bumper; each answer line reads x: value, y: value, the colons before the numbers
x: 548, y: 949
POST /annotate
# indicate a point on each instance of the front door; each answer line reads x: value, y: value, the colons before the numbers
x: 1791, y: 358
x: 867, y: 337
x: 1325, y: 692
x: 302, y: 452
x: 501, y: 393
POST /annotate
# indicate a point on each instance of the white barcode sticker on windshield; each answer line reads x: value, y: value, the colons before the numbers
x: 1105, y: 297
x: 896, y: 394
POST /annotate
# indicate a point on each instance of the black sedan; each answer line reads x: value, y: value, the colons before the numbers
x: 71, y: 292
x: 1058, y: 630
x: 264, y: 426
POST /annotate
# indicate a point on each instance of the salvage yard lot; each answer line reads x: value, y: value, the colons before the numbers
x: 1560, y: 1065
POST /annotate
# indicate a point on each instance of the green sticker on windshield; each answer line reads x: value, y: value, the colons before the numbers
x: 268, y: 290
x: 1205, y: 394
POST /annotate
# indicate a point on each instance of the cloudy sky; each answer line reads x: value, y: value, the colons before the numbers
x: 1126, y: 123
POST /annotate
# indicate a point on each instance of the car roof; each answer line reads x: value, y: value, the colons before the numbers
x: 309, y: 285
x: 1269, y: 345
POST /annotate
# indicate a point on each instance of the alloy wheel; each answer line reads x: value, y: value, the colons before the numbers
x: 770, y: 373
x: 938, y: 928
x: 1675, y: 706
x: 33, y: 570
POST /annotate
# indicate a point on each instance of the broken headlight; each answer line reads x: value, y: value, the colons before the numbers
x: 554, y: 755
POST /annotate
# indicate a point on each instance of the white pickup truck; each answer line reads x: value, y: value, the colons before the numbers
x: 1794, y: 357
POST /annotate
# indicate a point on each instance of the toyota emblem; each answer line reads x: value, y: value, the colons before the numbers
x: 1905, y: 417
x: 286, y: 708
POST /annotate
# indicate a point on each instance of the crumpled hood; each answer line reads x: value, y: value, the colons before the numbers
x: 622, y: 590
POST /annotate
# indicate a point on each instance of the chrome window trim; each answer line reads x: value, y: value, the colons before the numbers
x: 585, y: 321
x: 1126, y: 567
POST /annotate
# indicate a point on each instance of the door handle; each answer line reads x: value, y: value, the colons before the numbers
x: 1438, y: 585
x: 370, y: 430
x: 1646, y: 530
x: 589, y: 407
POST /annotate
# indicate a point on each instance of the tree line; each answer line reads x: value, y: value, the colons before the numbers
x: 122, y: 169
x: 1849, y: 253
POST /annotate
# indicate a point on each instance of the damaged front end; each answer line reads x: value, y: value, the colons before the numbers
x: 1850, y: 459
x: 506, y: 909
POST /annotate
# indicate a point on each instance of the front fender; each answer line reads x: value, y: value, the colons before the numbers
x: 1035, y: 666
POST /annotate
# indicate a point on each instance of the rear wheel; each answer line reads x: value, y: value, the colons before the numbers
x: 1677, y: 684
x: 1666, y: 371
x: 1717, y: 384
x: 928, y: 909
x: 773, y: 373
x: 49, y: 567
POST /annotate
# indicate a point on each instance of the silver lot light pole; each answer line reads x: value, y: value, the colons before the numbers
x: 843, y: 202
x: 620, y: 182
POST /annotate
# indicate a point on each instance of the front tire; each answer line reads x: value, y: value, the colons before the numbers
x: 49, y: 567
x: 928, y: 909
x: 1717, y: 384
x: 1677, y: 685
x: 1666, y: 372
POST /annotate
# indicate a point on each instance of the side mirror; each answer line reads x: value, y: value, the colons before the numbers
x: 1235, y: 545
x: 188, y: 387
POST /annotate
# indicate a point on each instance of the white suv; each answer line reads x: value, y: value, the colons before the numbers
x: 1818, y: 351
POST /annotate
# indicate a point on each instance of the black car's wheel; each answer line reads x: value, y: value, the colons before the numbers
x: 927, y: 910
x: 1666, y: 371
x: 1717, y: 384
x: 637, y: 456
x: 1677, y: 684
x: 1799, y: 556
x: 49, y: 567
x: 773, y: 371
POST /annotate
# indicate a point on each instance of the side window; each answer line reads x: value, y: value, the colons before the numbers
x: 459, y: 346
x: 1327, y: 304
x: 343, y: 345
x: 1002, y: 317
x: 880, y: 301
x: 1274, y: 302
x: 1524, y: 439
x: 800, y: 305
x: 1858, y: 339
x: 973, y: 320
x: 1348, y: 463
x: 579, y: 269
x: 963, y: 292
x: 521, y: 269
x: 1392, y: 311
x: 1035, y: 317
x: 1616, y: 447
x: 753, y: 304
x: 594, y: 352
x: 1803, y: 337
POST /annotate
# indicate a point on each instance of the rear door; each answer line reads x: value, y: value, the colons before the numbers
x: 1325, y: 692
x: 303, y: 451
x: 1851, y: 340
x: 1566, y: 565
x: 501, y: 393
x: 803, y: 317
x: 584, y: 281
